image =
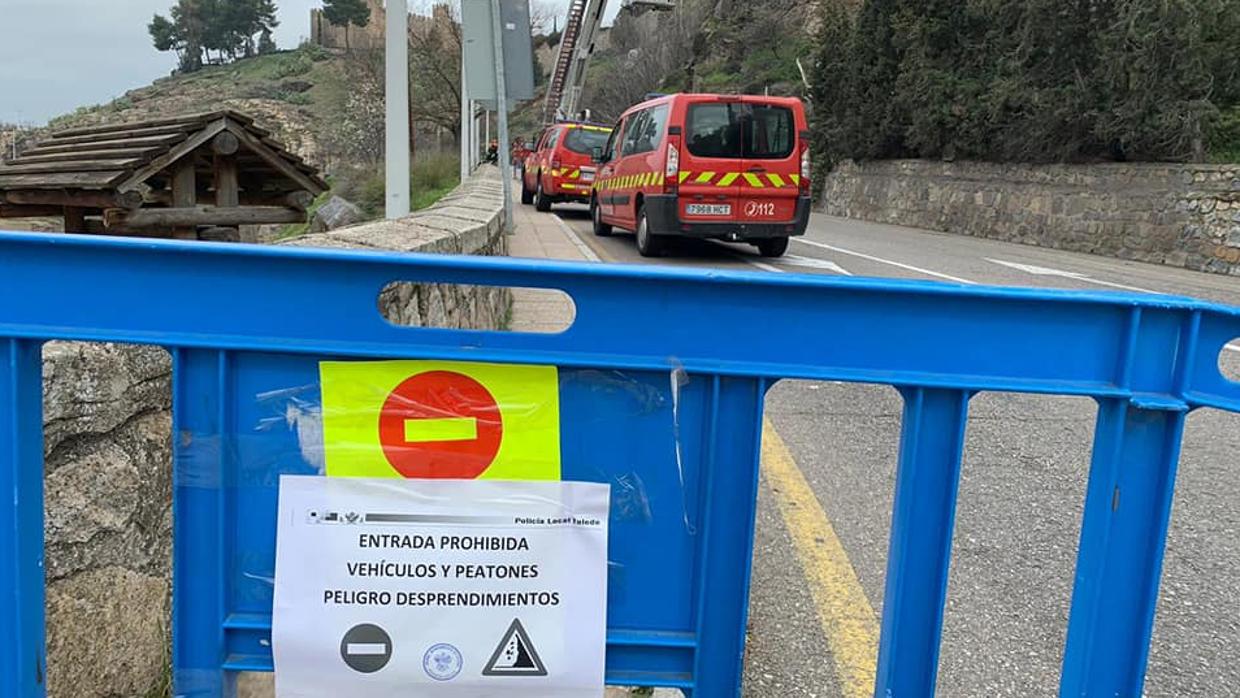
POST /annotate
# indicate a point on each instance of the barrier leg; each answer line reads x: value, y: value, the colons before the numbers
x: 1127, y: 509
x: 201, y: 420
x: 729, y: 506
x: 23, y: 661
x: 924, y: 512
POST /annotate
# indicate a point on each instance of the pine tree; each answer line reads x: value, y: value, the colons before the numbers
x: 343, y: 13
x: 228, y: 27
x: 183, y: 33
x: 266, y: 44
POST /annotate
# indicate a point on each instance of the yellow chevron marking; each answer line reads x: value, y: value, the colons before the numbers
x: 684, y: 176
x: 576, y: 174
x: 660, y: 179
x: 704, y: 178
x: 776, y: 180
x: 796, y: 179
x: 727, y: 179
x: 753, y: 180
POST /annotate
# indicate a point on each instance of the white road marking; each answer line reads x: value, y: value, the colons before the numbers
x: 1047, y: 271
x: 1042, y: 271
x: 748, y: 260
x: 761, y: 265
x: 792, y: 260
x: 573, y: 237
x: 814, y: 263
x: 889, y: 262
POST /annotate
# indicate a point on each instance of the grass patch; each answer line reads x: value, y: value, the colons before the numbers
x: 430, y: 178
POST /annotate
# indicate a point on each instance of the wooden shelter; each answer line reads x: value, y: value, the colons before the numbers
x: 189, y: 177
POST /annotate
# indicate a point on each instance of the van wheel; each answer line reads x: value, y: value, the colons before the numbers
x: 601, y: 229
x: 772, y: 247
x: 541, y: 202
x: 527, y: 196
x: 648, y: 244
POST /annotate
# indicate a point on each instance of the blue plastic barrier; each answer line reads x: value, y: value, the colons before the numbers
x: 662, y: 378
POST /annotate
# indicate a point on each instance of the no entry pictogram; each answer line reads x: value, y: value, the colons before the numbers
x: 441, y: 424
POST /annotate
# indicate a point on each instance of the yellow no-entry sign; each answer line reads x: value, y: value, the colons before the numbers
x: 441, y: 419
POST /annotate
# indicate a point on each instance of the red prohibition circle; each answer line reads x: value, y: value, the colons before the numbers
x: 440, y: 395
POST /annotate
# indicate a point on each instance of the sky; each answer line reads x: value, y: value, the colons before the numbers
x: 58, y: 55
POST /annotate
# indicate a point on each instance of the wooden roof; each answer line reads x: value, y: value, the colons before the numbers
x: 122, y: 157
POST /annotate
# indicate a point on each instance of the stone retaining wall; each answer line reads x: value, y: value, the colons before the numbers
x: 1179, y: 215
x: 108, y: 454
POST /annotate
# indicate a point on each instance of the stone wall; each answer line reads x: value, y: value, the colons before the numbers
x: 108, y: 455
x: 1179, y: 215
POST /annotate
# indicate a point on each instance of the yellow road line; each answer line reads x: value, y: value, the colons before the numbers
x: 847, y: 618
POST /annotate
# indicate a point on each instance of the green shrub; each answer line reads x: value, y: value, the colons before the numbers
x: 1036, y: 81
x: 1225, y: 142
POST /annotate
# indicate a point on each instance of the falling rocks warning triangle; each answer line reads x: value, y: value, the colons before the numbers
x: 515, y: 655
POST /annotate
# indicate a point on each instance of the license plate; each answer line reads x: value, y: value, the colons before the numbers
x: 587, y: 176
x: 708, y: 209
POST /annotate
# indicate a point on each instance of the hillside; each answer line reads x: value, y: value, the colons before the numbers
x: 325, y: 106
x: 727, y: 46
x: 291, y: 93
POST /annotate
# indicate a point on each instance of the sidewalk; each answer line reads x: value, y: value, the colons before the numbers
x: 543, y: 236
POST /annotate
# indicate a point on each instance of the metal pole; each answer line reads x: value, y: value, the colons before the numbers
x: 473, y: 135
x: 501, y: 94
x: 397, y: 102
x: 463, y: 134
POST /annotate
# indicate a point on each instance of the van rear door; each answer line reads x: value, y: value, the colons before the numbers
x: 711, y: 160
x: 771, y: 163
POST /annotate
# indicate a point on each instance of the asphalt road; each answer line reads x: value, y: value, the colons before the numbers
x: 1021, y: 492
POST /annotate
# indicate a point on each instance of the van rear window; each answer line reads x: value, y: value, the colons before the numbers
x: 715, y: 130
x: 584, y: 141
x: 738, y: 130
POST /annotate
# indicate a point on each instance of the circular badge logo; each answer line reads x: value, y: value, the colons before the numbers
x: 442, y: 662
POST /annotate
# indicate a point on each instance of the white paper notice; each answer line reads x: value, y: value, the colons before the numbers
x: 468, y: 589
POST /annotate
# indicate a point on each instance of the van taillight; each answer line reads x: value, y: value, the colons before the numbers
x: 805, y: 167
x: 671, y: 170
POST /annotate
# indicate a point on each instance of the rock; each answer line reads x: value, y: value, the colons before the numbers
x: 107, y: 633
x: 255, y: 685
x: 336, y: 213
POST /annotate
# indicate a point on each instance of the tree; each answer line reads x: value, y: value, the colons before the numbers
x: 342, y: 13
x: 266, y: 44
x: 231, y: 28
x: 1034, y: 81
x: 182, y: 33
x: 435, y: 70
